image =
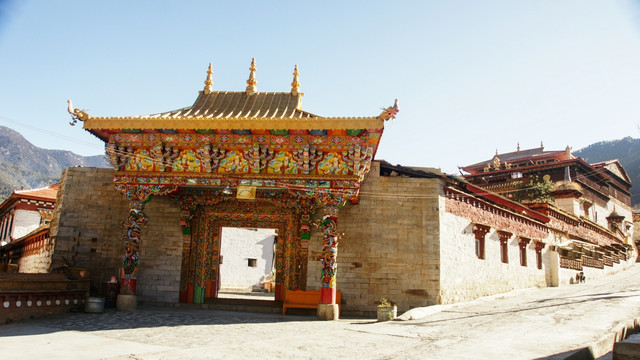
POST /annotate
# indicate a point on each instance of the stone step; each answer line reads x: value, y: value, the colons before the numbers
x: 245, y: 305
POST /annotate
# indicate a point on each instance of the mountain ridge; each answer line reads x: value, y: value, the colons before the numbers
x: 24, y: 165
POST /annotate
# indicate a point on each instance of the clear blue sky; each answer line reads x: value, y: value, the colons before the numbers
x: 471, y: 76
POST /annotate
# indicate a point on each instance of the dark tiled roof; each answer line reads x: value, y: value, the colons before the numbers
x: 386, y: 169
x: 520, y: 154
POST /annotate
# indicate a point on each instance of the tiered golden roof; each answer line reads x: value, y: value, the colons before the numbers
x: 247, y: 109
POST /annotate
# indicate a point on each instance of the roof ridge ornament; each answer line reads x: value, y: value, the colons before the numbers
x: 251, y: 83
x: 76, y: 114
x: 390, y: 112
x: 295, y: 85
x: 208, y: 83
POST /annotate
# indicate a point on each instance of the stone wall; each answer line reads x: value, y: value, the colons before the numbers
x: 404, y: 241
x: 87, y: 231
x: 390, y: 246
x: 160, y: 252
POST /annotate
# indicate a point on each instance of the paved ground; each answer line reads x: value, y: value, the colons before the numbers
x: 529, y: 324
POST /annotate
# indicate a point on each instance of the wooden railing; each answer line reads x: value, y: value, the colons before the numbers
x: 573, y: 264
x: 588, y: 261
x: 615, y: 258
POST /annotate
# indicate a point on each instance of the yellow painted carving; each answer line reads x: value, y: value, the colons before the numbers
x: 234, y: 163
x: 140, y: 161
x: 332, y: 164
x: 282, y: 163
x: 186, y: 162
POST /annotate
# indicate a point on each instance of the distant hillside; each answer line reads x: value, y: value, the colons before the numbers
x: 626, y: 150
x: 25, y: 166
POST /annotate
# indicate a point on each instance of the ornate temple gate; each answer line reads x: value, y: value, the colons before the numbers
x: 238, y: 159
x: 205, y: 213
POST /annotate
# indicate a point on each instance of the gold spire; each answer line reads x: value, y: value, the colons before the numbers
x: 295, y: 85
x: 518, y: 148
x: 208, y: 84
x: 251, y: 83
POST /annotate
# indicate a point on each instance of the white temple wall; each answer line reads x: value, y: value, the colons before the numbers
x: 238, y: 248
x: 465, y: 277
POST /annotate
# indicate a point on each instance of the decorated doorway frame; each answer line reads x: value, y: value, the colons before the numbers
x: 201, y: 251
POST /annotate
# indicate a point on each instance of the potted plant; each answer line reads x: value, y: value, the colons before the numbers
x: 387, y: 310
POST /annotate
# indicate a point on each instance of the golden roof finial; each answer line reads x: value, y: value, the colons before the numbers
x: 251, y: 83
x: 295, y: 85
x: 208, y: 84
x: 518, y: 148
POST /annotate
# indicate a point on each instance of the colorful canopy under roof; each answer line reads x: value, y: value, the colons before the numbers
x: 240, y: 137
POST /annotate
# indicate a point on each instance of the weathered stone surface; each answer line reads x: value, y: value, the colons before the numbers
x: 628, y: 349
x: 87, y: 232
x: 127, y: 302
x: 328, y: 312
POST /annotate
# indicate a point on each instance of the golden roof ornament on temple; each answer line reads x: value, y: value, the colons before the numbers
x: 76, y: 114
x: 295, y: 85
x: 208, y: 83
x: 390, y: 112
x: 219, y: 111
x: 251, y: 83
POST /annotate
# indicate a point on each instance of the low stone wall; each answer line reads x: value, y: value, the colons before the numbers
x: 24, y: 296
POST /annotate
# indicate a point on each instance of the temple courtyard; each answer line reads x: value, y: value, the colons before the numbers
x: 548, y: 323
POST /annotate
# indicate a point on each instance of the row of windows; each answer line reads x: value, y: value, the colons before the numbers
x: 504, y: 253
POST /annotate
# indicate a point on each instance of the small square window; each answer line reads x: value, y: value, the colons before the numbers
x: 253, y: 262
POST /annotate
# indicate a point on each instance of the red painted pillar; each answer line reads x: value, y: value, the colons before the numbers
x: 133, y: 223
x: 329, y: 254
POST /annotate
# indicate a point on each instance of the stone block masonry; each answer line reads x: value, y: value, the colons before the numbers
x: 87, y: 231
x: 390, y: 248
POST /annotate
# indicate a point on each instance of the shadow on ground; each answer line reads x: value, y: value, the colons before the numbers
x: 143, y: 318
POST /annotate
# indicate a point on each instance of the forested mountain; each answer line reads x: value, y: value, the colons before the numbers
x: 626, y: 150
x: 25, y: 166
